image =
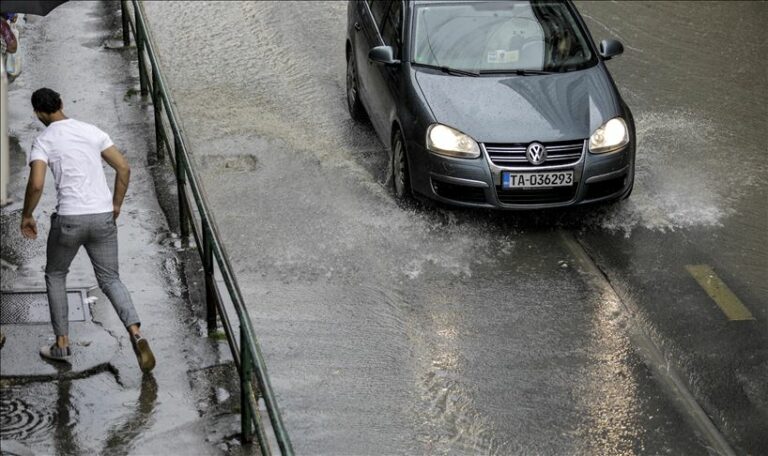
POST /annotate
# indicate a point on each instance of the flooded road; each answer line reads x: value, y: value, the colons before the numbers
x: 398, y: 329
x: 698, y: 95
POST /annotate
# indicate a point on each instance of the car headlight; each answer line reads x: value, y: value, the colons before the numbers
x: 612, y: 135
x: 445, y: 140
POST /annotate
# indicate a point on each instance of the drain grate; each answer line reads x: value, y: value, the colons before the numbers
x: 31, y: 306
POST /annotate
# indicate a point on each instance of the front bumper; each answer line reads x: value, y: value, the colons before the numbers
x: 477, y: 182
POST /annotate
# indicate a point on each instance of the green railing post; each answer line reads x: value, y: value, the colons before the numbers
x: 158, y: 109
x: 181, y: 182
x: 250, y: 419
x: 126, y: 31
x: 246, y: 375
x: 140, y: 50
x: 210, y: 286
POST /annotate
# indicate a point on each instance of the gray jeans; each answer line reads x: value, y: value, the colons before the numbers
x: 98, y: 233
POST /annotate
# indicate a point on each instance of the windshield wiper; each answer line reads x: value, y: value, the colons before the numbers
x: 449, y: 70
x: 516, y: 72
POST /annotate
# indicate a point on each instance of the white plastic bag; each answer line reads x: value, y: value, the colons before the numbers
x: 13, y: 65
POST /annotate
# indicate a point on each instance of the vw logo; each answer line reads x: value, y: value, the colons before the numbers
x: 536, y: 153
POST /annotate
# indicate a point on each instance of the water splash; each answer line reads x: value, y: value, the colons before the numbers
x: 681, y: 179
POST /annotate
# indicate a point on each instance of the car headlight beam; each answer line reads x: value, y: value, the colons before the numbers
x: 611, y: 136
x: 445, y: 140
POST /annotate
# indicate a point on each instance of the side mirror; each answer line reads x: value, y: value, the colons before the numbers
x: 382, y: 54
x: 610, y: 48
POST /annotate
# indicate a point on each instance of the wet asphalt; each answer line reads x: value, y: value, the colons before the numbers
x: 398, y: 329
x: 699, y: 90
x: 102, y: 404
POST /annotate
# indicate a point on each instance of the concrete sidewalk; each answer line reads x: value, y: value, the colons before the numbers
x: 102, y: 403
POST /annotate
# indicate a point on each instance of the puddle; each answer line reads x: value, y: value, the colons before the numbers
x: 234, y: 163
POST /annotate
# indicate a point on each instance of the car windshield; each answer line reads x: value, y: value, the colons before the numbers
x: 499, y: 37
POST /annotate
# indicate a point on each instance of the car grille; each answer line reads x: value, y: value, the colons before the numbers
x: 558, y: 153
x: 536, y: 196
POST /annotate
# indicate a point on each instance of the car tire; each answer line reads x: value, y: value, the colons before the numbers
x: 401, y: 174
x: 355, y: 106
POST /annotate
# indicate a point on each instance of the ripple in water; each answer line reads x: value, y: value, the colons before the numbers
x: 19, y: 421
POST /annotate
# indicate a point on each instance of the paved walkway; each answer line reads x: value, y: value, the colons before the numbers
x: 102, y: 403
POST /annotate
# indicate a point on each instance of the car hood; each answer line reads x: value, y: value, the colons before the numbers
x: 514, y: 109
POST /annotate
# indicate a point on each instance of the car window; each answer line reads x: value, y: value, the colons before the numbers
x: 378, y: 9
x: 500, y: 36
x: 393, y: 27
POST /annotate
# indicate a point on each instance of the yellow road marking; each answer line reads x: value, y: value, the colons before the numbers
x: 729, y: 303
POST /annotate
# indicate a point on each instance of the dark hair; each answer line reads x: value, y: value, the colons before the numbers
x: 46, y: 100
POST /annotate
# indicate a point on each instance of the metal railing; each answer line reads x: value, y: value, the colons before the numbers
x: 5, y: 154
x: 245, y: 348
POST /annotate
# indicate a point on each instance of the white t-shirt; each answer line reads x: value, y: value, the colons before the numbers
x: 72, y: 149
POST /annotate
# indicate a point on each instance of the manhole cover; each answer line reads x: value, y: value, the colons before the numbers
x: 31, y: 306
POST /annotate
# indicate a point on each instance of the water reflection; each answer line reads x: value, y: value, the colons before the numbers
x: 608, y: 391
x: 121, y: 435
x: 66, y: 418
x: 450, y: 420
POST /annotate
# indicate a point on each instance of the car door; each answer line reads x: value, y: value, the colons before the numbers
x: 366, y: 37
x: 389, y: 75
x: 369, y: 71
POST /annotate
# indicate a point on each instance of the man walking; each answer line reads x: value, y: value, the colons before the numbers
x: 85, y: 216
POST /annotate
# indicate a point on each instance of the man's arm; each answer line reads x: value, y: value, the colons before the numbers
x: 35, y: 186
x: 115, y: 159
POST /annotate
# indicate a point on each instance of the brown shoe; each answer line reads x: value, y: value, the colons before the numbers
x: 143, y: 353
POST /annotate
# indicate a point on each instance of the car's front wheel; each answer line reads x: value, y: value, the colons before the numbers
x: 355, y: 106
x: 401, y: 176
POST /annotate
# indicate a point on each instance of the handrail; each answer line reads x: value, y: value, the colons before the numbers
x: 246, y: 351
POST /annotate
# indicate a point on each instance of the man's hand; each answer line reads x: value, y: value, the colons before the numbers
x: 29, y: 227
x: 35, y: 185
x: 115, y: 159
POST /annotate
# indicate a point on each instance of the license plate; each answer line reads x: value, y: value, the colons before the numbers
x: 536, y: 180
